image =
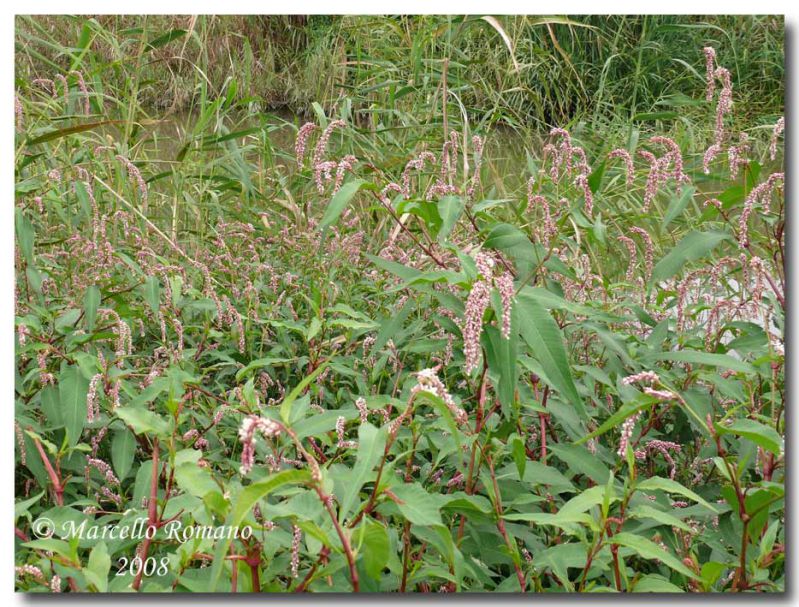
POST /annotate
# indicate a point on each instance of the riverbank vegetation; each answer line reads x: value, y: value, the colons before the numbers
x: 431, y: 304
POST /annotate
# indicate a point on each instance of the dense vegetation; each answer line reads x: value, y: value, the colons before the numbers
x: 388, y: 69
x: 467, y: 328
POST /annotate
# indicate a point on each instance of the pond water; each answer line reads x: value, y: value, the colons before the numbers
x: 505, y: 155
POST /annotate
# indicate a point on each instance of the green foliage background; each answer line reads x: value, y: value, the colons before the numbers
x: 226, y: 285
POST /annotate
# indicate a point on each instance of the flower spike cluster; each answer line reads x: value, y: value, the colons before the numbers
x: 477, y: 303
x: 428, y: 381
x: 247, y: 434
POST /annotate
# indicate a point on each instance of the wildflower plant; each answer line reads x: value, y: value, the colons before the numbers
x: 399, y: 368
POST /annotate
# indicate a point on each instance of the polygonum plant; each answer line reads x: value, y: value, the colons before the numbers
x: 344, y: 364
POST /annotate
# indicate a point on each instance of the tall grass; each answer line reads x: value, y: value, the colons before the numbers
x: 566, y: 373
x: 200, y: 93
x: 521, y: 71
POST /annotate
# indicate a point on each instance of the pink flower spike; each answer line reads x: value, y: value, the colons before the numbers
x: 778, y: 130
x: 302, y: 141
x: 628, y: 163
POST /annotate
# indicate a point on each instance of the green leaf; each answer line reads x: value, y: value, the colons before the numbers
x: 537, y: 474
x: 762, y: 435
x: 651, y: 551
x: 71, y: 130
x: 152, y: 293
x: 443, y: 412
x: 610, y: 495
x: 404, y: 272
x: 321, y: 422
x: 664, y: 518
x: 677, y: 206
x: 511, y: 240
x: 545, y: 341
x: 595, y: 178
x: 371, y: 446
x: 165, y: 39
x: 450, y: 209
x: 694, y: 246
x: 285, y: 406
x: 724, y: 361
x: 439, y: 537
x: 371, y: 540
x: 665, y: 484
x: 766, y: 544
x: 73, y: 388
x: 711, y: 572
x: 581, y: 461
x: 501, y: 356
x: 655, y: 583
x: 467, y: 504
x: 417, y: 505
x: 244, y: 502
x: 91, y: 301
x: 66, y: 321
x: 143, y: 421
x: 98, y: 567
x: 560, y: 558
x: 587, y: 499
x: 651, y: 116
x: 260, y: 364
x: 339, y: 201
x: 313, y: 329
x: 195, y: 480
x: 568, y: 521
x: 614, y: 420
x: 25, y: 235
x: 519, y: 453
x: 51, y: 544
x: 123, y: 449
x: 391, y: 325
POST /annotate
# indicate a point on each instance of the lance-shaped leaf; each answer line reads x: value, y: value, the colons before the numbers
x: 371, y: 445
x: 73, y: 388
x: 694, y: 246
x: 544, y: 338
x: 651, y: 551
x: 340, y: 201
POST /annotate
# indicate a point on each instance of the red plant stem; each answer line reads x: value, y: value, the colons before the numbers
x: 256, y: 580
x: 780, y: 297
x: 739, y: 581
x: 234, y: 575
x: 501, y: 523
x: 57, y: 486
x: 478, y: 426
x: 345, y: 543
x: 614, y: 550
x: 406, y: 553
x: 777, y: 293
x: 253, y: 559
x: 542, y: 417
x: 323, y: 555
x: 327, y: 501
x: 407, y: 230
x: 370, y: 504
x: 304, y: 584
x: 152, y: 514
x: 373, y: 497
x: 592, y: 553
x: 543, y: 421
